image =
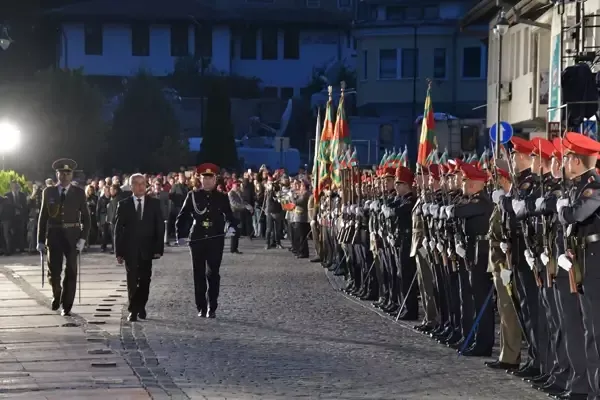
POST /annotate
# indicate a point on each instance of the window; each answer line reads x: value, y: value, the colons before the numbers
x: 526, y: 39
x: 388, y: 64
x: 93, y: 39
x: 473, y: 63
x: 365, y: 60
x: 468, y: 138
x: 140, y: 40
x: 394, y: 13
x: 413, y: 13
x: 179, y: 40
x: 269, y: 43
x: 203, y: 41
x: 439, y: 63
x: 410, y: 63
x: 430, y: 13
x: 248, y: 44
x: 344, y: 3
x: 270, y: 91
x: 291, y: 44
x: 287, y: 93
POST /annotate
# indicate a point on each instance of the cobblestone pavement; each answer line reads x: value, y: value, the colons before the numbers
x: 283, y: 332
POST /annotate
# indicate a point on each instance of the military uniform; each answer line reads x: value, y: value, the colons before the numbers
x: 209, y: 211
x: 63, y: 228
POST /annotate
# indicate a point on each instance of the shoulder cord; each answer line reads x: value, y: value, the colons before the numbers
x: 196, y: 206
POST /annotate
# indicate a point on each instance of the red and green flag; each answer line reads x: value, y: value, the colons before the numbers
x: 341, y: 139
x: 427, y: 139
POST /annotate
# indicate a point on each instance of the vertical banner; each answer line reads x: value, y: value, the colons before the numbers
x: 554, y: 95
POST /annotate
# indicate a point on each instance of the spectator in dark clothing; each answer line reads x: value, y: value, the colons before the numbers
x: 246, y: 215
x: 274, y: 216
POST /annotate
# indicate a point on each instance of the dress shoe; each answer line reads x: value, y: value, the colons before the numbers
x: 301, y: 256
x: 211, y: 314
x: 236, y: 252
x: 568, y: 396
x: 65, y: 313
x: 142, y: 314
x: 538, y: 379
x: 550, y: 389
x: 315, y: 260
x: 459, y: 345
x: 477, y: 352
x: 501, y: 365
x: 528, y: 372
x: 202, y: 313
x: 132, y: 317
x: 55, y: 304
x: 454, y: 337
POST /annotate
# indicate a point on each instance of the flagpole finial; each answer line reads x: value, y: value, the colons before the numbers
x: 343, y: 85
x: 429, y: 83
x: 330, y: 90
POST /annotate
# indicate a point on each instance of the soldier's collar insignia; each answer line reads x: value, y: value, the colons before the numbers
x: 591, y: 179
x: 588, y: 193
x: 525, y: 186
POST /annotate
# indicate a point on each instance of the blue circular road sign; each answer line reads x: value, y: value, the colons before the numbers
x: 506, y: 132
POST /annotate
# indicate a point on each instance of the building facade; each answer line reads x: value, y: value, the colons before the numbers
x: 279, y: 42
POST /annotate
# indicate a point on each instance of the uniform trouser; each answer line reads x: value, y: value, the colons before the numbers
x: 590, y: 299
x: 301, y: 230
x: 407, y: 270
x: 571, y: 325
x: 316, y: 238
x: 510, y: 330
x: 357, y: 266
x: 481, y: 282
x: 467, y: 308
x: 59, y: 248
x: 206, y: 262
x: 556, y: 361
x: 528, y: 302
x: 291, y: 232
x: 392, y: 274
x: 425, y: 281
x: 139, y: 275
x: 455, y: 312
x: 442, y: 299
x: 379, y: 272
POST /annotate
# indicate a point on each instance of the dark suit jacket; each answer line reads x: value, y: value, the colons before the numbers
x: 135, y: 239
x: 73, y: 220
x: 19, y: 204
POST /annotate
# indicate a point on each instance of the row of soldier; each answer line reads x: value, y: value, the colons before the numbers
x: 524, y: 228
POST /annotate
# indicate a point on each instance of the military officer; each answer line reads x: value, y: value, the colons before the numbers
x: 63, y: 228
x: 475, y: 211
x: 579, y: 213
x: 209, y: 210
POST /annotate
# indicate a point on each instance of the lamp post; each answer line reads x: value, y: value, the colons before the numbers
x: 499, y: 31
x: 5, y: 39
x: 10, y: 138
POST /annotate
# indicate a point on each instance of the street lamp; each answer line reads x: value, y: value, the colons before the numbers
x: 5, y: 40
x: 499, y: 30
x: 10, y: 138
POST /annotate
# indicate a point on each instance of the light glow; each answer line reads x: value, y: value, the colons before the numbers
x: 10, y: 137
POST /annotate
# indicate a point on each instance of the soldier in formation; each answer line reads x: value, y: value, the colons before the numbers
x: 517, y: 231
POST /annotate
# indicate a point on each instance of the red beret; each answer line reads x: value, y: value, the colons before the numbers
x: 434, y: 171
x: 543, y: 147
x: 422, y: 170
x: 580, y: 144
x: 503, y: 173
x: 389, y: 172
x: 558, y: 147
x: 521, y: 145
x: 473, y: 173
x: 444, y: 170
x: 207, y: 169
x: 404, y: 175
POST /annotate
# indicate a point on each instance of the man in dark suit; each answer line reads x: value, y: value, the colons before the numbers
x: 139, y: 239
x: 15, y: 234
x: 63, y: 228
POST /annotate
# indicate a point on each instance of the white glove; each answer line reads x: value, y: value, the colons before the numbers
x: 375, y: 205
x: 249, y: 207
x: 460, y: 251
x: 564, y: 262
x: 231, y: 230
x: 440, y: 247
x: 425, y: 208
x: 530, y: 259
x: 80, y: 245
x: 344, y: 209
x: 368, y: 204
x: 432, y: 244
x: 392, y: 212
x: 449, y: 252
x: 358, y: 212
x: 497, y: 194
x: 560, y: 204
x: 433, y: 209
x: 385, y: 211
x: 518, y: 206
x: 353, y: 208
x: 528, y: 254
x: 505, y: 275
x: 180, y: 242
x: 40, y: 247
x: 449, y: 211
x: 425, y: 243
x: 545, y: 259
x: 504, y: 247
x: 538, y: 202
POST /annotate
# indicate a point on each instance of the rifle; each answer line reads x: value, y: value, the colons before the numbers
x: 550, y: 271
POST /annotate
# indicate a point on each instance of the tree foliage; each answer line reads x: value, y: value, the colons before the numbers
x: 6, y: 177
x: 142, y: 122
x: 218, y: 142
x: 172, y: 154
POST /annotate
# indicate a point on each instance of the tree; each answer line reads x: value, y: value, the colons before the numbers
x: 218, y: 142
x: 6, y: 177
x: 142, y: 121
x: 171, y: 155
x: 60, y: 115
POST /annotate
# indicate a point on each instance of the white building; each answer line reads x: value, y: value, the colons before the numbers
x: 281, y: 44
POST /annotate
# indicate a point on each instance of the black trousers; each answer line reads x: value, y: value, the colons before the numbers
x: 235, y: 239
x: 59, y: 249
x: 106, y: 234
x: 206, y: 262
x: 139, y: 274
x: 300, y: 237
x: 273, y: 233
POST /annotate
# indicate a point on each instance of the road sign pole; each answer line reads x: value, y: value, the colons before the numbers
x: 498, y: 102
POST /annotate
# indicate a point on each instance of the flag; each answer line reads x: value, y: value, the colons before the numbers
x: 315, y: 171
x: 427, y: 140
x: 483, y: 162
x: 404, y: 157
x: 354, y: 158
x: 325, y: 156
x: 341, y: 137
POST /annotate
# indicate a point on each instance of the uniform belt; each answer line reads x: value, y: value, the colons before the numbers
x: 64, y: 226
x: 478, y: 237
x: 592, y: 238
x: 206, y: 224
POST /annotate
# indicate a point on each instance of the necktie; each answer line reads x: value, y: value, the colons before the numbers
x: 63, y: 195
x: 138, y: 209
